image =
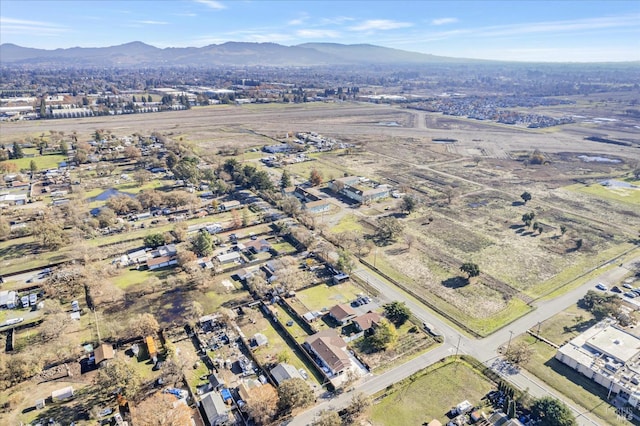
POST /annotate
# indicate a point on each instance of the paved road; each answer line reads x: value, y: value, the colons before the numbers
x: 485, y: 350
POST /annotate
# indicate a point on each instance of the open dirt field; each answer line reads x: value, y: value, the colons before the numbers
x: 469, y: 189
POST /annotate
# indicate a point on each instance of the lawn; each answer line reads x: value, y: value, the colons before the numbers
x: 431, y: 396
x: 130, y: 277
x: 42, y: 161
x: 327, y: 169
x: 348, y: 222
x: 277, y: 346
x: 324, y: 296
x: 576, y: 320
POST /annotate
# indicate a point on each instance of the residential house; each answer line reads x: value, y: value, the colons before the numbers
x: 165, y: 250
x: 229, y: 205
x: 102, y: 353
x: 161, y: 262
x: 215, y: 410
x: 306, y: 194
x: 244, y: 274
x: 13, y: 199
x: 226, y: 258
x: 331, y: 350
x: 282, y: 372
x: 359, y: 189
x: 342, y: 313
x: 137, y: 256
x: 368, y: 321
x: 319, y: 206
x: 257, y: 246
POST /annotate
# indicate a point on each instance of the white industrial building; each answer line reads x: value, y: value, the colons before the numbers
x: 608, y: 355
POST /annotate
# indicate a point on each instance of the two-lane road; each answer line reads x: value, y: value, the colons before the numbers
x: 485, y: 350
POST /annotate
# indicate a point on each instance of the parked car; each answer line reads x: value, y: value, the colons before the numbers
x: 627, y: 285
x: 616, y: 289
x: 602, y: 287
x: 303, y: 373
x: 630, y: 295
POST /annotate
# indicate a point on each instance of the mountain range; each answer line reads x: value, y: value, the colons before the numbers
x: 138, y: 54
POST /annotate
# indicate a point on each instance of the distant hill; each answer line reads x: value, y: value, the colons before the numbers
x: 138, y: 54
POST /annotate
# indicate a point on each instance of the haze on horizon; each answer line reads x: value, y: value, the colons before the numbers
x: 528, y: 31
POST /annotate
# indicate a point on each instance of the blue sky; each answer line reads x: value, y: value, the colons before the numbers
x: 550, y: 31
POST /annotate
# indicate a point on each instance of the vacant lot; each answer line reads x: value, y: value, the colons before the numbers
x: 431, y: 396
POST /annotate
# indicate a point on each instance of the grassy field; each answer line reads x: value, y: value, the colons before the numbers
x: 624, y: 195
x: 324, y: 296
x: 348, y: 222
x: 431, y: 396
x: 43, y: 162
x: 566, y: 325
x: 573, y: 385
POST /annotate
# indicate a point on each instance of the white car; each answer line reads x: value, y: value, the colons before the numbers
x: 602, y: 287
x: 303, y: 373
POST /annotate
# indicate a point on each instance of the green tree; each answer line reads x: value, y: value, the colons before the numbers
x: 345, y: 262
x: 397, y: 312
x: 203, y: 244
x: 409, y: 204
x: 525, y: 197
x: 154, y: 240
x: 231, y: 166
x: 527, y: 218
x: 552, y: 412
x: 285, y: 180
x: 600, y: 304
x: 260, y: 180
x: 119, y: 375
x: 471, y: 269
x: 384, y: 336
x: 187, y: 170
x: 17, y: 151
x: 33, y: 167
x: 294, y: 393
x: 563, y: 229
x: 389, y: 228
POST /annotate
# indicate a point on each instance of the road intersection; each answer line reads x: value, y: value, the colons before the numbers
x: 485, y: 349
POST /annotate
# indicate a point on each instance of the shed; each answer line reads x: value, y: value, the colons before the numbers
x: 151, y: 346
x: 216, y: 412
x: 104, y: 352
x: 260, y: 339
x: 282, y: 372
x: 62, y: 394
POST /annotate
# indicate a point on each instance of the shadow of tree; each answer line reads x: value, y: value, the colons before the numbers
x: 455, y: 282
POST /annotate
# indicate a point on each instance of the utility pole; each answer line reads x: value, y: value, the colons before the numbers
x: 538, y: 333
x: 510, y: 336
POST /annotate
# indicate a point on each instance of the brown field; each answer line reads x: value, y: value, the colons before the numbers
x: 481, y: 169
